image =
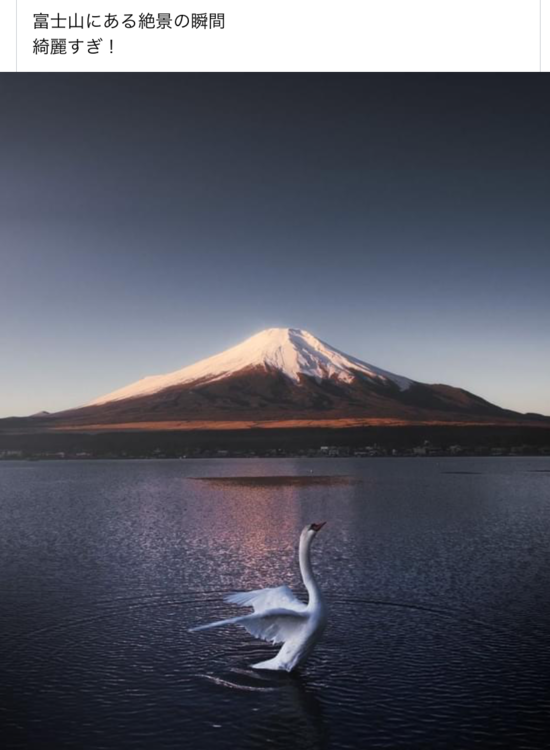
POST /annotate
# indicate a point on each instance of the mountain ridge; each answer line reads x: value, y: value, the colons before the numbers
x: 282, y: 375
x: 279, y: 376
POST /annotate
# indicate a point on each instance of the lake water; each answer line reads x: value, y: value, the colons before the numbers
x: 436, y: 571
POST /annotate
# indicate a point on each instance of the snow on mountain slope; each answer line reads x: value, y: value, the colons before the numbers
x: 291, y: 351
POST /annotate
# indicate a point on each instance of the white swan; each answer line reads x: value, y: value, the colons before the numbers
x: 279, y: 617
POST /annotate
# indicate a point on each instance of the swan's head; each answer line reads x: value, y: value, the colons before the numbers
x: 310, y: 532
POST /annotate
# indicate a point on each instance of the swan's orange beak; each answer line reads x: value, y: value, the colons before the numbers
x: 318, y: 526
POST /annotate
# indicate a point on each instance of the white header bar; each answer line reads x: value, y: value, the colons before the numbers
x: 283, y: 36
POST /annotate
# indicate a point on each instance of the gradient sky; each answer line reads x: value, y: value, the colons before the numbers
x: 147, y: 221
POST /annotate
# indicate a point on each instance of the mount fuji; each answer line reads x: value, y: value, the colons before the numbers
x: 280, y: 377
x: 293, y: 353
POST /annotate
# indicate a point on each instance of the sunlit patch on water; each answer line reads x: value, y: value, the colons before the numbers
x: 280, y: 481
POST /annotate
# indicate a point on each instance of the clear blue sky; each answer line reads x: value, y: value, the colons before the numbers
x: 147, y: 221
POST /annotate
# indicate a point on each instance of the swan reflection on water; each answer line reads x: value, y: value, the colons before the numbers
x: 289, y: 709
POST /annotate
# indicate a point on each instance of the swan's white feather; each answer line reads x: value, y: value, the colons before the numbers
x: 276, y: 625
x: 265, y: 599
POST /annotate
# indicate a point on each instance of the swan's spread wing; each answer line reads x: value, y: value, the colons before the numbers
x: 275, y: 625
x: 262, y: 600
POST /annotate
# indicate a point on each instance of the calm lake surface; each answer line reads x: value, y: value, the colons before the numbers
x: 437, y: 575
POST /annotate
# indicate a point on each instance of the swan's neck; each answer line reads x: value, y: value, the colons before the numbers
x: 307, y: 571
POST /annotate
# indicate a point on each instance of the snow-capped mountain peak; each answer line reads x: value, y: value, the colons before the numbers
x: 292, y: 351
